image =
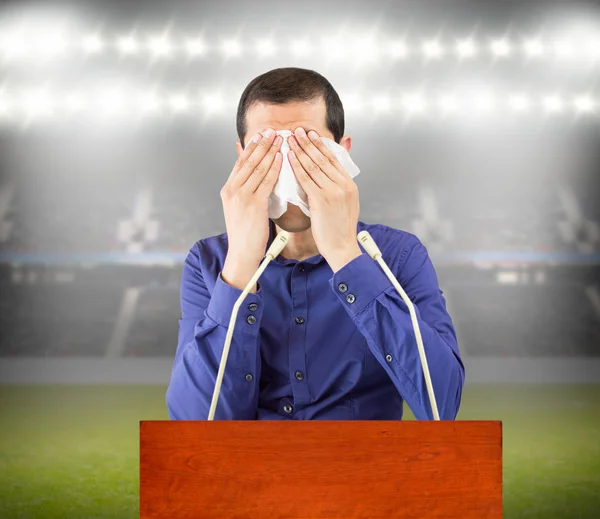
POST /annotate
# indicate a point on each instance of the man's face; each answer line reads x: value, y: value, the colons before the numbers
x: 309, y: 115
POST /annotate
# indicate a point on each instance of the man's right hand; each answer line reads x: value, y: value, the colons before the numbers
x: 245, y: 198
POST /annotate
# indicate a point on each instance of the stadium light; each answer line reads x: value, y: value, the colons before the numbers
x: 398, y: 49
x: 564, y: 49
x: 149, y: 102
x: 160, y: 47
x: 4, y: 106
x: 232, y: 48
x: 119, y: 101
x: 195, y: 47
x: 352, y: 103
x: 213, y: 103
x: 553, y: 104
x: 593, y: 49
x: 432, y: 49
x: 365, y: 49
x: 483, y: 102
x: 333, y: 48
x: 38, y: 103
x: 533, y: 48
x: 300, y: 48
x: 92, y: 44
x: 584, y: 104
x: 501, y: 48
x: 381, y: 103
x: 52, y: 44
x: 413, y: 103
x: 265, y: 48
x: 448, y: 103
x: 74, y: 102
x: 465, y: 48
x: 179, y: 103
x: 13, y: 45
x: 128, y: 45
x: 519, y: 102
x: 112, y: 101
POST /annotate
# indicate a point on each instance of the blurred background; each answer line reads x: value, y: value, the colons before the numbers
x: 476, y: 127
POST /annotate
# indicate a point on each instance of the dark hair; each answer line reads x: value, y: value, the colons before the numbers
x: 283, y: 85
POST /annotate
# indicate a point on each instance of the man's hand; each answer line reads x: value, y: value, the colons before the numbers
x: 332, y: 198
x: 245, y: 198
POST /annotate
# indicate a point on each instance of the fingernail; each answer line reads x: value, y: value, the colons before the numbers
x: 301, y: 132
x: 257, y: 137
x: 313, y: 134
x: 269, y: 133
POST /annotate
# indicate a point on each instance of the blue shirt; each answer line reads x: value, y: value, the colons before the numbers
x: 314, y: 345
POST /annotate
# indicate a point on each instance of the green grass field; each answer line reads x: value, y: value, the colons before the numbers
x: 72, y: 452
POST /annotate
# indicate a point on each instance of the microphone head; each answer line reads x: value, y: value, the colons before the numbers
x: 279, y: 243
x: 368, y: 243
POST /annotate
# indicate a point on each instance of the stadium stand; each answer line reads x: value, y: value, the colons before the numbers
x: 73, y: 319
x: 501, y: 217
x: 154, y: 329
x: 66, y: 213
x: 76, y: 216
x: 525, y: 320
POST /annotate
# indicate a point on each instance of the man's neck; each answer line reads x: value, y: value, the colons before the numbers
x: 301, y: 245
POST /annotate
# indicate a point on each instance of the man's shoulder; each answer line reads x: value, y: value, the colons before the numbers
x: 385, y: 236
x: 389, y: 235
x: 211, y: 245
x: 403, y: 251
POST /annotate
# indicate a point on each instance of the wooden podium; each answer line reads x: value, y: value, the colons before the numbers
x: 320, y: 469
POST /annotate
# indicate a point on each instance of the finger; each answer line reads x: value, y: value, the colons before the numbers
x: 325, y: 151
x: 250, y: 147
x: 261, y: 171
x: 304, y: 179
x: 251, y: 163
x: 319, y: 157
x: 265, y: 188
x: 309, y: 166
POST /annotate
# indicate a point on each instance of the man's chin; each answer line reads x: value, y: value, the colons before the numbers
x: 293, y: 220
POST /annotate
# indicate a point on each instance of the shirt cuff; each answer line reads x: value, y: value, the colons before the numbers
x: 359, y: 282
x: 220, y: 307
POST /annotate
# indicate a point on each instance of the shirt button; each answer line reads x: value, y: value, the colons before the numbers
x: 249, y: 377
x: 250, y: 319
x: 299, y: 375
x: 299, y: 320
x: 288, y: 409
x: 342, y: 287
x: 350, y: 298
x: 253, y: 307
x: 389, y: 358
x: 301, y: 267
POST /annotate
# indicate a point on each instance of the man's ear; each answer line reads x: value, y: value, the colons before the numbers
x: 238, y: 147
x: 346, y: 142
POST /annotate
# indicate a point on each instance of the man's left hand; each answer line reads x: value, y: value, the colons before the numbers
x: 332, y: 197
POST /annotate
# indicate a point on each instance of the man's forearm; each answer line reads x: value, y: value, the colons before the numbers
x: 238, y: 271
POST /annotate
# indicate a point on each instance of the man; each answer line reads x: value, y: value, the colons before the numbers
x: 323, y: 334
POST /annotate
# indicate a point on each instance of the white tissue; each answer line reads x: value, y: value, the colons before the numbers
x: 287, y: 189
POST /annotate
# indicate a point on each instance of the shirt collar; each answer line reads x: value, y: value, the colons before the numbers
x: 314, y: 260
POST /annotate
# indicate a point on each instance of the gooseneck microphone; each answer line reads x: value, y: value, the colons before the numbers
x: 274, y: 250
x: 365, y: 239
